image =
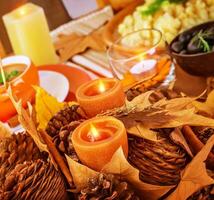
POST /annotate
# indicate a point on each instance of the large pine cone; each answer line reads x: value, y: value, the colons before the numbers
x: 206, y: 193
x: 15, y: 150
x: 107, y: 187
x: 159, y: 163
x: 63, y: 140
x: 63, y: 118
x: 33, y: 180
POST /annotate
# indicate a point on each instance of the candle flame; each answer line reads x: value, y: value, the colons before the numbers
x: 102, y: 87
x: 94, y: 132
x: 22, y: 11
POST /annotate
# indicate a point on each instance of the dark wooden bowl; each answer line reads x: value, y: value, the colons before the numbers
x: 200, y: 64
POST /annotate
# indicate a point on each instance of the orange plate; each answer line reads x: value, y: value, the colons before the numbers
x: 76, y: 77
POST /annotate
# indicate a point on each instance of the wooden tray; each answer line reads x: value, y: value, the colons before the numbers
x: 110, y: 33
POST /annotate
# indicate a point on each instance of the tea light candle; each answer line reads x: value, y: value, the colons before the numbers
x: 28, y: 32
x: 97, y: 139
x: 100, y: 95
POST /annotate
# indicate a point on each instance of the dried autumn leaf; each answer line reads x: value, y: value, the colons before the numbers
x: 4, y: 131
x: 46, y: 106
x: 140, y: 102
x: 120, y: 166
x: 194, y: 177
x: 210, y: 100
x: 140, y: 131
x: 178, y: 138
x: 70, y: 45
x: 176, y: 103
x: 27, y: 122
x: 80, y: 173
x: 208, y: 105
x: 158, y: 117
x: 189, y: 117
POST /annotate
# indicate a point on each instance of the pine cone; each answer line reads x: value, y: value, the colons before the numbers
x: 159, y: 163
x: 63, y: 140
x: 62, y: 118
x: 33, y: 180
x: 107, y: 187
x: 15, y: 150
x: 206, y: 193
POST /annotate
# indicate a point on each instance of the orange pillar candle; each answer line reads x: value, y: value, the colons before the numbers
x: 97, y: 139
x: 100, y: 95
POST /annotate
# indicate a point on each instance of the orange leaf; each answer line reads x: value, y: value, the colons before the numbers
x: 194, y: 176
x: 120, y: 166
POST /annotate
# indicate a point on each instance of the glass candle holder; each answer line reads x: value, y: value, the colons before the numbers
x: 134, y: 61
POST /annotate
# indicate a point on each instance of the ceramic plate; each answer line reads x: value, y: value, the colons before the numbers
x: 75, y: 76
x: 55, y: 84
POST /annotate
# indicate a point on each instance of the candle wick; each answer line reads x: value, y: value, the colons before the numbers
x: 91, y: 137
x: 93, y: 134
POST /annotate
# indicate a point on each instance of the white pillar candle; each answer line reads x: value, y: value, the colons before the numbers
x: 28, y: 32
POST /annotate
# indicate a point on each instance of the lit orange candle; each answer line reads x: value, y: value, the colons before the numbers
x: 100, y: 95
x: 97, y: 139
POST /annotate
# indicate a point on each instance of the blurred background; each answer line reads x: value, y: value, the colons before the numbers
x: 54, y: 9
x: 57, y: 12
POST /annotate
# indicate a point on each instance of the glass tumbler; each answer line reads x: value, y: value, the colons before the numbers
x: 138, y: 56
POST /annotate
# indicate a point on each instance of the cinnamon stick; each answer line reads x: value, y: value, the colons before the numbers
x: 196, y: 144
x: 56, y: 155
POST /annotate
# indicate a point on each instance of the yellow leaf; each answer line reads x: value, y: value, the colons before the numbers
x: 27, y: 122
x: 210, y: 100
x: 46, y: 106
x: 202, y: 107
x: 208, y: 105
